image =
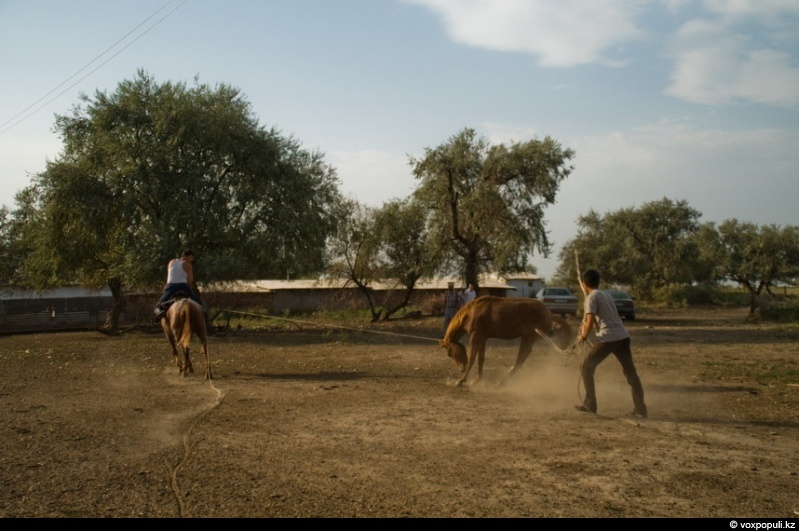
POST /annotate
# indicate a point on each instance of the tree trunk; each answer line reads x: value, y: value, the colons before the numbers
x: 754, y: 299
x: 405, y: 300
x: 472, y: 269
x: 112, y: 319
x: 367, y: 292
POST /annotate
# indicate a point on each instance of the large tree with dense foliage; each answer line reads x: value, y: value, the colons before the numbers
x: 153, y: 168
x: 353, y: 250
x: 8, y: 260
x: 406, y: 251
x: 486, y: 203
x: 389, y: 244
x: 756, y: 257
x: 645, y: 248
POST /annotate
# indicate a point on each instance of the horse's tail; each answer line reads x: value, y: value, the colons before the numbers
x: 184, y: 338
x: 190, y: 321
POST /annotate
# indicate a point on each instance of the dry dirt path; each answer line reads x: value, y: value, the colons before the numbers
x: 313, y: 423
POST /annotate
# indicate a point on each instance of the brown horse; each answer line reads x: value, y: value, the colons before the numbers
x: 501, y: 318
x: 184, y: 318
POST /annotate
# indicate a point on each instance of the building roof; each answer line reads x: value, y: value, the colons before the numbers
x: 9, y: 293
x: 523, y: 276
x: 250, y: 286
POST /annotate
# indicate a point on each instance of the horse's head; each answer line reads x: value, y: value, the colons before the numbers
x: 456, y: 351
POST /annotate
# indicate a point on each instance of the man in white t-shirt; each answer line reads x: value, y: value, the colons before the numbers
x: 613, y: 338
x: 179, y: 279
x: 469, y: 294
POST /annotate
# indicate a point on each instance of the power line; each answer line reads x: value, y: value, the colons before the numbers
x: 6, y: 127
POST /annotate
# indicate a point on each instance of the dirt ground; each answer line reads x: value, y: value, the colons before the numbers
x: 311, y: 422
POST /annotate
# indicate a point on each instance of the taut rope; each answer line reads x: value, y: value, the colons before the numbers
x: 324, y: 325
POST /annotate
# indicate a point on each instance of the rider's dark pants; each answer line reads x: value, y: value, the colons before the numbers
x: 171, y: 291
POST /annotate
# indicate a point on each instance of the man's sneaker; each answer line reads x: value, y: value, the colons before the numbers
x: 583, y: 409
x: 637, y: 414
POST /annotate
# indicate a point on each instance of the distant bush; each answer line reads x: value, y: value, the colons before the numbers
x: 432, y: 305
x: 784, y: 310
x: 702, y: 295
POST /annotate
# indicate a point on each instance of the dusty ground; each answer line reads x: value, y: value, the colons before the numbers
x: 336, y: 423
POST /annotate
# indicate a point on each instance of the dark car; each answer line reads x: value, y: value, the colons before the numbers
x: 625, y: 304
x: 558, y: 300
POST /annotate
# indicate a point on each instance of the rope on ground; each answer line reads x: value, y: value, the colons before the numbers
x: 326, y: 325
x: 173, y: 471
x: 576, y: 349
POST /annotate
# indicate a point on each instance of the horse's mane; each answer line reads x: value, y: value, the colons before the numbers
x: 466, y: 308
x: 457, y: 320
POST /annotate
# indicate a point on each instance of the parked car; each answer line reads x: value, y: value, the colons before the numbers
x: 624, y: 303
x: 558, y: 300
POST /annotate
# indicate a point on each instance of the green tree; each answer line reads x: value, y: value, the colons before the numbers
x: 645, y: 248
x: 153, y: 168
x: 8, y: 260
x: 406, y: 251
x: 353, y: 250
x: 756, y: 257
x: 486, y: 203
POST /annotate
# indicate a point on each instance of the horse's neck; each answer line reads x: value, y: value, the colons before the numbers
x: 457, y: 334
x: 456, y: 329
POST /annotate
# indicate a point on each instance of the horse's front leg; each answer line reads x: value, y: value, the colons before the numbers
x: 474, y: 352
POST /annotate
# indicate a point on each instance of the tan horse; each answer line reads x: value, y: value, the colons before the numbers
x: 183, y: 319
x: 501, y: 318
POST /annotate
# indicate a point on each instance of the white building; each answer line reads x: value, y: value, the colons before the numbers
x: 525, y: 284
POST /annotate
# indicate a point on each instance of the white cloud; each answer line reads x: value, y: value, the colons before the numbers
x: 373, y: 177
x: 560, y: 34
x: 742, y: 53
x: 748, y: 175
x: 749, y: 8
x: 496, y: 133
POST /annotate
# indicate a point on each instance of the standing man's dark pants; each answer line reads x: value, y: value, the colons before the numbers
x: 597, y: 354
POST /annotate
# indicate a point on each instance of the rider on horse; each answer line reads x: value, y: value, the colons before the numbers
x: 179, y: 280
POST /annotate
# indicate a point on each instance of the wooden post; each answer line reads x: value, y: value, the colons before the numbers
x: 579, y: 274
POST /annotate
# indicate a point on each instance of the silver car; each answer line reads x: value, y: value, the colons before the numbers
x: 558, y: 300
x: 624, y: 303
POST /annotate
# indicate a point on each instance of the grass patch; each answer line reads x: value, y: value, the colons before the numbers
x: 786, y: 372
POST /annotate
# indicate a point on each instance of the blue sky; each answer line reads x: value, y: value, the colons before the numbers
x: 685, y: 99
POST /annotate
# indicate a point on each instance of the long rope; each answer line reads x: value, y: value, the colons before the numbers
x: 325, y: 325
x: 571, y: 351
